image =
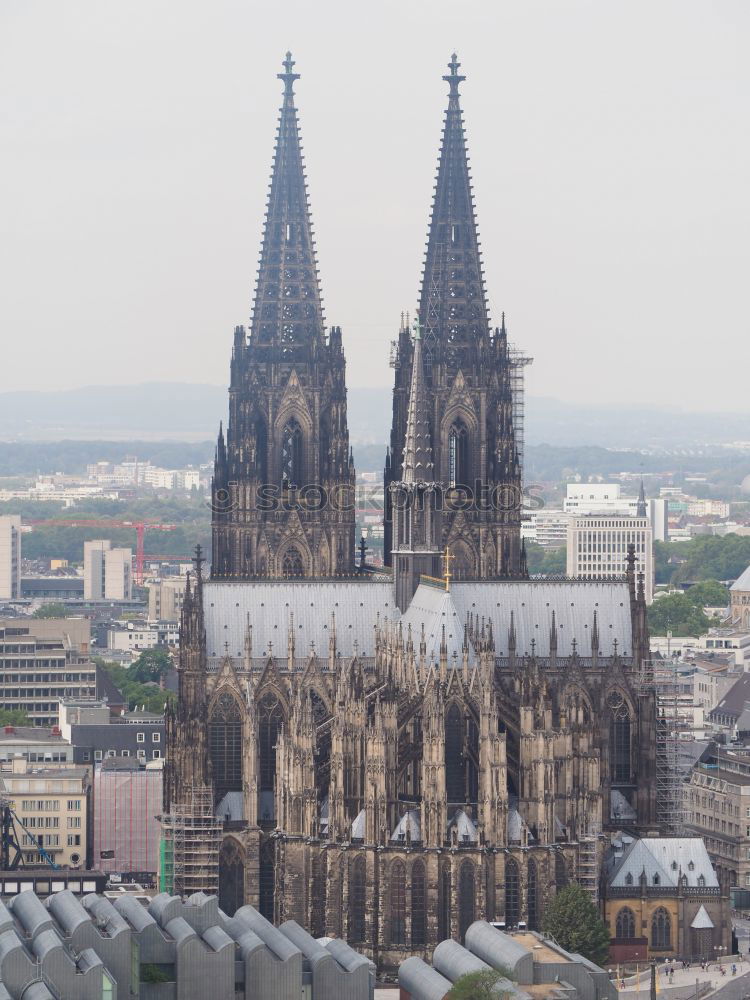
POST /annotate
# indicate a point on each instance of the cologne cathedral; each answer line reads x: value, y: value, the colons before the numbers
x: 393, y: 753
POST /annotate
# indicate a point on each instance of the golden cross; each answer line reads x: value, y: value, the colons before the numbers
x: 447, y: 557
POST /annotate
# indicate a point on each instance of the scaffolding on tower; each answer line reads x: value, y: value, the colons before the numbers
x: 518, y: 362
x: 190, y: 845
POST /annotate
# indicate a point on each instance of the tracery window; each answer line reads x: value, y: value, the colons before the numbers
x: 292, y: 565
x: 661, y: 929
x: 454, y: 755
x: 418, y: 908
x: 512, y: 894
x: 458, y: 455
x: 625, y: 923
x: 561, y: 871
x: 231, y: 877
x: 225, y: 744
x: 444, y: 908
x: 270, y: 721
x: 533, y: 896
x: 357, y: 889
x: 466, y: 898
x: 620, y: 739
x: 291, y: 454
x: 398, y: 903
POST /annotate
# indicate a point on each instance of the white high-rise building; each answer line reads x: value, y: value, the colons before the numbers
x: 607, y: 498
x: 598, y: 547
x: 107, y: 572
x: 10, y: 557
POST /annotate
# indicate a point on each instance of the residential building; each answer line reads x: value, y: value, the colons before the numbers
x: 43, y: 660
x: 727, y: 711
x: 165, y: 599
x: 538, y: 965
x: 36, y: 744
x: 97, y: 948
x: 547, y: 527
x: 708, y: 508
x: 663, y: 899
x: 52, y: 804
x: 127, y: 802
x: 739, y: 601
x: 717, y: 808
x: 96, y: 734
x: 732, y: 641
x: 598, y: 547
x: 107, y: 571
x: 10, y: 557
x: 136, y: 636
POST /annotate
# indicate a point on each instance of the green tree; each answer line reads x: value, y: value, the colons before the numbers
x: 677, y: 614
x: 574, y: 922
x: 55, y: 609
x: 134, y: 691
x: 477, y: 986
x: 543, y: 560
x: 14, y: 717
x: 708, y: 594
x: 151, y: 666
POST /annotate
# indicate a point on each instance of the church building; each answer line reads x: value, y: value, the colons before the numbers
x: 392, y: 754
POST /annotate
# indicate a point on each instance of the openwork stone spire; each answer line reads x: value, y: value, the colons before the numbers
x: 288, y: 311
x: 418, y: 464
x: 452, y: 300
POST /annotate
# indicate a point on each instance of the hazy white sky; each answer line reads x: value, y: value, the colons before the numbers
x: 610, y: 151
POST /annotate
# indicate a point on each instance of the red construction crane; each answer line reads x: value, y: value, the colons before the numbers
x: 140, y: 532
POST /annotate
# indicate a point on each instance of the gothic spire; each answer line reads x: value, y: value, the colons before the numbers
x: 418, y: 466
x: 641, y: 508
x: 453, y: 306
x: 288, y: 311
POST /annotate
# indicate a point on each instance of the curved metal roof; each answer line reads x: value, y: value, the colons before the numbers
x: 421, y: 981
x: 494, y: 947
x: 452, y: 960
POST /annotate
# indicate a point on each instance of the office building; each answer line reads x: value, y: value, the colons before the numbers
x: 96, y: 734
x: 598, y: 547
x: 43, y: 660
x: 52, y: 805
x: 107, y: 571
x: 165, y: 599
x: 10, y: 557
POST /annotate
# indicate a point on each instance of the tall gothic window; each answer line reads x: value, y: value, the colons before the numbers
x: 561, y: 871
x: 231, y: 877
x: 291, y: 454
x: 292, y: 565
x: 620, y: 747
x: 458, y: 455
x: 444, y: 907
x: 454, y: 755
x: 418, y: 908
x: 267, y: 879
x: 225, y: 745
x: 625, y: 923
x: 270, y: 721
x: 261, y: 451
x: 661, y: 929
x: 398, y: 903
x: 466, y: 898
x: 512, y: 894
x: 533, y: 896
x: 357, y: 890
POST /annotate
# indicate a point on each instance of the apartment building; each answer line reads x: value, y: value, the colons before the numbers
x: 41, y: 661
x: 10, y: 557
x: 717, y: 808
x: 165, y: 599
x: 52, y: 805
x: 107, y: 571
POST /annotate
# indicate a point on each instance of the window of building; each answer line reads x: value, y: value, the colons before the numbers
x: 625, y: 924
x: 512, y: 894
x: 661, y: 929
x: 418, y: 905
x: 357, y: 899
x: 398, y: 903
x: 156, y: 754
x: 98, y: 754
x: 141, y: 754
x: 156, y: 737
x: 140, y: 737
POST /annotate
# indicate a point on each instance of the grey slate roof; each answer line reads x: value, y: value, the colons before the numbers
x: 734, y: 701
x: 743, y: 582
x: 667, y: 858
x: 701, y: 920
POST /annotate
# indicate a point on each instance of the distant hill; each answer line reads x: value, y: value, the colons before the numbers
x: 176, y: 411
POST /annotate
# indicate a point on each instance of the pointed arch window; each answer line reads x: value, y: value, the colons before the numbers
x: 231, y: 877
x: 561, y: 871
x: 225, y: 744
x: 625, y: 924
x: 458, y: 455
x: 291, y: 454
x: 292, y: 564
x: 661, y: 929
x: 418, y: 907
x: 267, y: 879
x: 454, y: 756
x: 532, y: 886
x: 512, y: 894
x: 261, y: 450
x: 398, y: 903
x: 357, y: 886
x: 270, y: 721
x: 466, y: 893
x: 444, y: 903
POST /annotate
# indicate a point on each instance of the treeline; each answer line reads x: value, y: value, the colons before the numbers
x: 706, y: 557
x: 30, y: 458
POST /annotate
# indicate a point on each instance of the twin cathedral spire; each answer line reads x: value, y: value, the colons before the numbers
x: 283, y: 489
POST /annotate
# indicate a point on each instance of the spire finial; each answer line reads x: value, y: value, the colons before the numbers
x: 288, y: 76
x: 454, y: 78
x: 417, y: 328
x: 198, y: 560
